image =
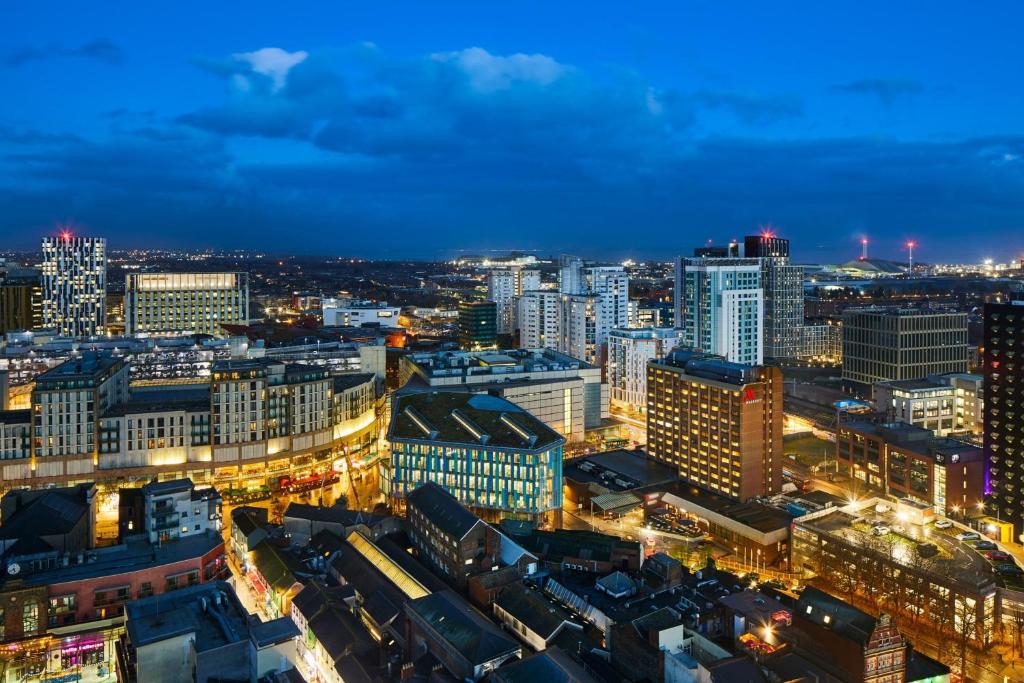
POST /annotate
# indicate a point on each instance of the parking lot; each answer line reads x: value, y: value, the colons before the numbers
x: 907, y: 543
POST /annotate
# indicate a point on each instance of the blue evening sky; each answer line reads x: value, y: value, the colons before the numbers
x: 606, y: 129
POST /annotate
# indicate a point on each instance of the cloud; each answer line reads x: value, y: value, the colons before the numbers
x: 750, y: 108
x: 887, y: 90
x: 101, y: 50
x: 272, y: 62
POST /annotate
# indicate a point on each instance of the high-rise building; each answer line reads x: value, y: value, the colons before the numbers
x: 578, y: 327
x: 629, y: 351
x: 492, y: 455
x: 75, y: 285
x: 478, y: 325
x: 783, y: 286
x: 504, y: 287
x: 886, y: 344
x: 611, y: 285
x: 571, y: 279
x: 21, y: 299
x: 720, y: 307
x: 185, y: 303
x: 719, y: 423
x: 1004, y: 395
x: 540, y: 320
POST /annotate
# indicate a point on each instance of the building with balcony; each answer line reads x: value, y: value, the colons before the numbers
x: 251, y: 423
x: 176, y: 509
x: 629, y: 351
x: 74, y: 275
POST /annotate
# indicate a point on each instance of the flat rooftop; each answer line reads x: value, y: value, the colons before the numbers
x: 755, y: 515
x: 455, y: 363
x: 88, y: 366
x: 128, y: 557
x: 630, y: 466
x: 920, y: 384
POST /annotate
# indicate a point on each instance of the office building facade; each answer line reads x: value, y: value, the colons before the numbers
x: 185, y: 303
x: 887, y: 344
x: 718, y: 423
x: 1004, y: 394
x: 74, y: 273
x: 493, y: 456
x: 478, y: 325
x: 720, y: 307
x: 927, y: 403
x: 350, y: 313
x: 629, y: 352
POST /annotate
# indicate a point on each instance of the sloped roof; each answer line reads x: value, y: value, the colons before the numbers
x: 843, y: 618
x: 443, y: 509
x: 616, y: 583
x: 529, y: 606
x: 463, y: 628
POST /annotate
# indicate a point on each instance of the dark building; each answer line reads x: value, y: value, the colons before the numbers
x: 765, y: 246
x: 61, y: 520
x: 478, y: 325
x: 1003, y: 426
x: 21, y: 302
x: 883, y: 344
x: 450, y: 539
x: 730, y: 251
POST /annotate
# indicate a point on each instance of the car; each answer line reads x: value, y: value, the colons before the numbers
x: 898, y: 528
x: 967, y: 536
x: 943, y: 524
x: 880, y: 530
x: 1008, y: 569
x: 985, y: 545
x: 997, y: 556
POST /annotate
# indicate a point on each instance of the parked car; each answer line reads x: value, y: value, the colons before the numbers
x: 967, y: 536
x: 880, y: 530
x: 943, y: 524
x: 985, y: 545
x: 1008, y: 569
x: 997, y: 556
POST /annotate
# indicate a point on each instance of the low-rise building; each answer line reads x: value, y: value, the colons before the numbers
x: 907, y: 461
x: 465, y: 642
x: 926, y: 402
x: 533, y: 618
x: 302, y: 522
x: 198, y: 635
x: 448, y: 537
x: 176, y: 509
x: 553, y: 664
x: 349, y: 313
x: 970, y: 401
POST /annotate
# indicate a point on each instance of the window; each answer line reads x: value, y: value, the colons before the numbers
x: 30, y: 618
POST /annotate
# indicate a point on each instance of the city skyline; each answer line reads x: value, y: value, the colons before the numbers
x: 493, y: 130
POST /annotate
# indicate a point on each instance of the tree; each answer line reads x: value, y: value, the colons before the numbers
x: 965, y: 629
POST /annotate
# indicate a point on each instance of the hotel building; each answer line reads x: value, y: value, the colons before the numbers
x: 1004, y: 395
x: 718, y: 423
x: 496, y: 458
x: 185, y: 303
x: 74, y: 272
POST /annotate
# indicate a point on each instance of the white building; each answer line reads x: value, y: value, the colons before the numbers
x: 611, y: 285
x: 970, y: 400
x: 578, y: 327
x: 540, y: 319
x: 504, y: 287
x: 74, y: 272
x: 177, y: 509
x: 629, y: 350
x: 185, y: 303
x: 926, y: 403
x: 720, y: 307
x: 349, y: 313
x: 564, y: 393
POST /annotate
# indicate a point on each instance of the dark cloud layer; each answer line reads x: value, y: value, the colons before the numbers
x: 470, y: 150
x: 887, y: 90
x: 100, y: 50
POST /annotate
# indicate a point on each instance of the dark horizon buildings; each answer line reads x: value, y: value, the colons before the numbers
x: 478, y: 325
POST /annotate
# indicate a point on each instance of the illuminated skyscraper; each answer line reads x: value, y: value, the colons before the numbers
x: 74, y: 275
x: 783, y: 294
x: 720, y: 306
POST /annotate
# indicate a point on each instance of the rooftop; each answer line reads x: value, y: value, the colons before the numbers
x: 608, y: 469
x: 463, y: 628
x: 830, y: 612
x: 755, y: 515
x: 921, y: 384
x: 443, y: 509
x: 552, y: 665
x: 128, y: 557
x: 352, y: 379
x: 89, y: 366
x: 470, y: 419
x: 54, y: 512
x: 158, y: 399
x: 708, y: 367
x: 531, y: 607
x: 512, y: 361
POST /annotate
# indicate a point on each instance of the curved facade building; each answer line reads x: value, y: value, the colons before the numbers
x: 252, y: 423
